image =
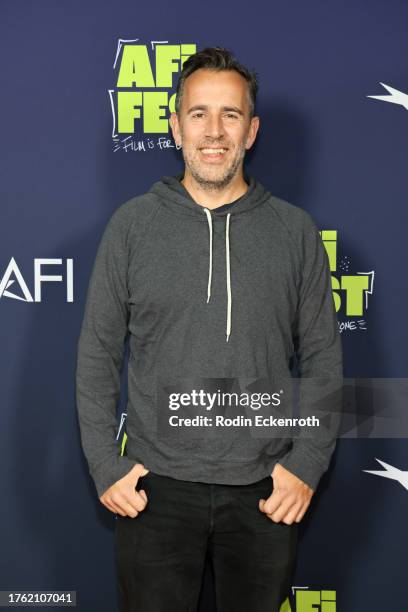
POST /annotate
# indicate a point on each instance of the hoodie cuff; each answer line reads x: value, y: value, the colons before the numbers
x: 110, y: 471
x: 301, y: 462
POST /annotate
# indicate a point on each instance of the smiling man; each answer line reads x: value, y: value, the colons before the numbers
x: 216, y: 282
x: 214, y: 137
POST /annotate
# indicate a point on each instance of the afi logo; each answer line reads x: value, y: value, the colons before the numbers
x: 14, y: 279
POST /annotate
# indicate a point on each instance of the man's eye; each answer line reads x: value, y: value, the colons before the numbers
x: 231, y: 116
x: 198, y: 114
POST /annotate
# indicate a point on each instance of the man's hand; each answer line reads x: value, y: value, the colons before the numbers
x: 290, y: 497
x: 122, y: 497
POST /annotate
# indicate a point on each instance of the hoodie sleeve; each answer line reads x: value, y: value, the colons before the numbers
x: 319, y: 355
x: 100, y: 357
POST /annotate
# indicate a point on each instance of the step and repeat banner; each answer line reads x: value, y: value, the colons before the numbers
x: 87, y: 88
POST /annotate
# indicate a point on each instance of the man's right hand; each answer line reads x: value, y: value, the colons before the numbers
x: 122, y: 497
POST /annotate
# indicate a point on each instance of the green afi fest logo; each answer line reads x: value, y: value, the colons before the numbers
x: 144, y: 86
x: 312, y: 601
x: 349, y: 290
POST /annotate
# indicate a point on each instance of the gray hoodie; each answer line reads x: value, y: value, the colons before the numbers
x: 202, y: 296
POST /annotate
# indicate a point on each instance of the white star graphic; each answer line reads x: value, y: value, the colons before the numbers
x: 396, y: 97
x: 391, y: 472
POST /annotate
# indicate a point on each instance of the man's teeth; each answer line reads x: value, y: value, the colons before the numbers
x: 213, y: 151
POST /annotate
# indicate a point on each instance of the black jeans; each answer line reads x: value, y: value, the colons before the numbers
x: 160, y: 554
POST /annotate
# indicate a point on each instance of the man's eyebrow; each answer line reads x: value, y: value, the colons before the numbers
x: 234, y: 109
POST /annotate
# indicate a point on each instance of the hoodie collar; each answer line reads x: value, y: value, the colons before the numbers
x: 175, y: 196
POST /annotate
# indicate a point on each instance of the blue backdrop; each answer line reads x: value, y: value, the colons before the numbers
x: 323, y: 145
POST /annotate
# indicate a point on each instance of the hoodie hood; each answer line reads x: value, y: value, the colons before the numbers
x: 175, y: 196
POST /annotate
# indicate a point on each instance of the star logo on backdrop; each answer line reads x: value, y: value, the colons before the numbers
x: 391, y: 472
x: 396, y: 96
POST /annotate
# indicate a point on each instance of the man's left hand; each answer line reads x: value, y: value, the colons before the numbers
x: 290, y: 497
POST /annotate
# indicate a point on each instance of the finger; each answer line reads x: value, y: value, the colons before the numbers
x: 130, y: 498
x: 290, y: 516
x: 143, y: 494
x: 127, y: 505
x: 137, y: 500
x: 112, y: 507
x: 126, y: 509
x: 273, y: 502
x: 282, y: 511
x: 302, y: 512
x: 108, y: 506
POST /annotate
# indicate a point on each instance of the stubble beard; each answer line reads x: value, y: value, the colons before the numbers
x: 207, y: 178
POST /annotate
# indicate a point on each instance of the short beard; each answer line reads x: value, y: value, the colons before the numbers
x: 212, y: 185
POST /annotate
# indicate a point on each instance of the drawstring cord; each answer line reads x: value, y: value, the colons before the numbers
x: 210, y: 262
x: 228, y: 266
x: 227, y: 258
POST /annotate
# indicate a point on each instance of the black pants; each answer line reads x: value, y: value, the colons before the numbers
x: 160, y: 554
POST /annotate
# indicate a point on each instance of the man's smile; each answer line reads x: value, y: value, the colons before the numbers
x: 213, y: 153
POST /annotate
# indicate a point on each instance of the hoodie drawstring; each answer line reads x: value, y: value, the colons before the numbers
x: 227, y: 259
x: 210, y: 262
x: 228, y: 266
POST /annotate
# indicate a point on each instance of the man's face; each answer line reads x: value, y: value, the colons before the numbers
x: 214, y: 126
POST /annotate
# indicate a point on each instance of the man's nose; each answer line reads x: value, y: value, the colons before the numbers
x: 214, y: 126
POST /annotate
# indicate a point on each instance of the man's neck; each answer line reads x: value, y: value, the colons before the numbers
x: 214, y: 198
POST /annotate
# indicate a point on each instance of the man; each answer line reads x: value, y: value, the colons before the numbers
x: 213, y: 279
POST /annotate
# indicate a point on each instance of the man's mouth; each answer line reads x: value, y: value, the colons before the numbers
x: 213, y: 152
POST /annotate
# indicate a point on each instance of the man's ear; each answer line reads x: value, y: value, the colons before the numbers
x: 253, y: 130
x: 175, y: 128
